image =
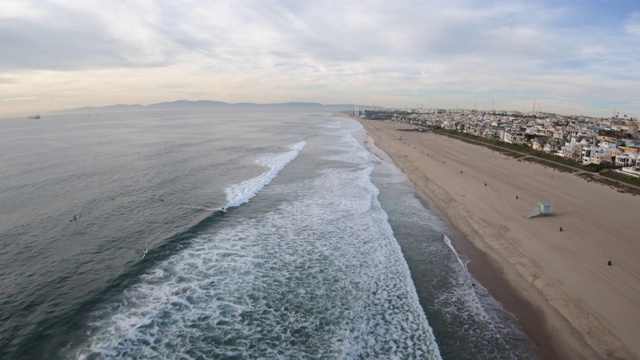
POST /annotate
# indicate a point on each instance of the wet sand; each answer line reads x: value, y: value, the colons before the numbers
x: 571, y: 303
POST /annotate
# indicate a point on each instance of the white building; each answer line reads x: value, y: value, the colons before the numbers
x: 626, y: 159
x: 570, y: 149
x: 596, y: 155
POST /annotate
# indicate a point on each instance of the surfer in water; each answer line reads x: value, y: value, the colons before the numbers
x: 75, y: 218
x: 145, y: 252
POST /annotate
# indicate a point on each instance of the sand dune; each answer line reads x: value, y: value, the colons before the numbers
x: 591, y: 310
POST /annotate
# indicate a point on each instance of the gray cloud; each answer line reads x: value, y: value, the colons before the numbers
x: 35, y: 46
x: 402, y: 49
x: 65, y: 38
x: 6, y: 80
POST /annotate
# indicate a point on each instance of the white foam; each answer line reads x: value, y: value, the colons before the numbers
x: 463, y: 264
x: 320, y: 276
x: 239, y: 194
x: 468, y: 298
x: 332, y: 125
x: 350, y: 151
x: 468, y: 307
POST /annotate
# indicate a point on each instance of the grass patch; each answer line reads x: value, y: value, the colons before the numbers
x: 621, y: 177
x: 479, y: 140
x: 523, y: 150
x: 559, y: 167
x: 621, y: 188
x: 615, y: 180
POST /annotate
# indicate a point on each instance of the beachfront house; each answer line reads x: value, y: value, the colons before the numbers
x: 514, y: 137
x: 597, y: 155
x: 548, y: 147
x: 628, y: 156
x: 570, y: 150
x: 538, y: 143
x: 625, y: 159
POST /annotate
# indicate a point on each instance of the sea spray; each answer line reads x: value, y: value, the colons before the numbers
x: 320, y: 275
x: 241, y: 193
x: 292, y: 264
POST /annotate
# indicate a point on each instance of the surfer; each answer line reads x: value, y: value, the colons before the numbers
x: 145, y: 252
x: 75, y: 218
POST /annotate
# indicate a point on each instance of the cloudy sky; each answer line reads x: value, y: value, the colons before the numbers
x: 571, y: 57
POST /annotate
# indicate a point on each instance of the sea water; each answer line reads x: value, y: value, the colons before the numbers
x: 239, y: 234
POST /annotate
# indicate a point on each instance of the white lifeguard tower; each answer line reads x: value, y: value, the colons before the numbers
x: 542, y: 210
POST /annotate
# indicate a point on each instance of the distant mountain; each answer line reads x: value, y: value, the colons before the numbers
x: 117, y: 107
x: 180, y: 104
x: 204, y: 104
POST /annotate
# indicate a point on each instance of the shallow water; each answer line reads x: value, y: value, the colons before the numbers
x: 307, y: 261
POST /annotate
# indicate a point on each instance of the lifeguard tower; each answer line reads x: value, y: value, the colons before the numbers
x: 542, y: 210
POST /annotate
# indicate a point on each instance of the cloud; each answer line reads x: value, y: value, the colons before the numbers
x: 59, y: 36
x: 272, y: 50
x: 633, y: 24
x: 6, y: 80
x: 34, y: 46
x: 265, y: 34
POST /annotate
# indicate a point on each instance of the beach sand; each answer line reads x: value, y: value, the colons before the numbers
x: 558, y: 283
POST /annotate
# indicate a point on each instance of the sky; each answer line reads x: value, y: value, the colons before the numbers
x: 570, y: 57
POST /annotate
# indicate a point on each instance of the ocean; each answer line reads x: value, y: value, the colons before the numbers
x: 227, y: 234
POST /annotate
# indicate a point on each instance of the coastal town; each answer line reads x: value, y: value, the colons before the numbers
x: 577, y: 267
x: 602, y: 143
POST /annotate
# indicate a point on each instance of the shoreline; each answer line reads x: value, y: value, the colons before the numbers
x: 487, y: 272
x: 527, y: 264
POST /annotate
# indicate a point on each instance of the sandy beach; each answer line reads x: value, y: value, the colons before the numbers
x: 568, y: 299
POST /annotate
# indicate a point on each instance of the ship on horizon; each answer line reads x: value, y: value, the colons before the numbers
x: 36, y: 116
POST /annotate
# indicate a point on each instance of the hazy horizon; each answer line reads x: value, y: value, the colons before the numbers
x: 572, y: 57
x: 189, y: 105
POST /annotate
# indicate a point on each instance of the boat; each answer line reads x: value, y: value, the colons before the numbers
x: 36, y: 116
